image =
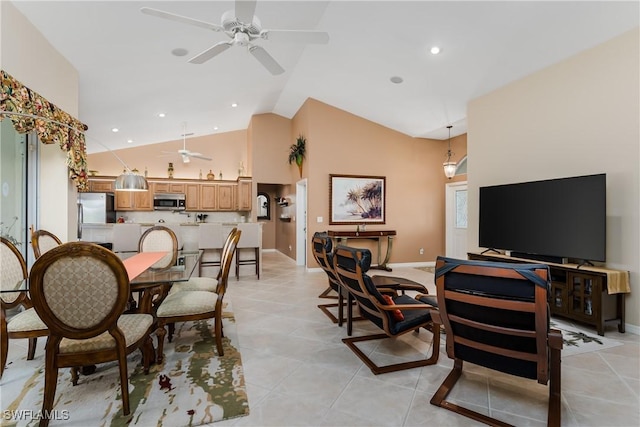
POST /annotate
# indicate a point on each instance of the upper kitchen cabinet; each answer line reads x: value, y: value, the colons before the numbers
x: 169, y: 187
x: 101, y: 185
x: 244, y: 194
x: 134, y: 200
x: 227, y: 196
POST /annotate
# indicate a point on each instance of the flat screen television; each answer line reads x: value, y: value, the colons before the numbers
x: 555, y: 218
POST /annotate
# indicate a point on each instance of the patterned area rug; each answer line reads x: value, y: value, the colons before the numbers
x: 578, y: 339
x: 191, y: 387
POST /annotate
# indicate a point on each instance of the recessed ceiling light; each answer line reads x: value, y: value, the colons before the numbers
x: 129, y: 141
x: 234, y: 105
x: 215, y: 128
x: 179, y: 51
x: 435, y: 50
x: 396, y: 79
x: 114, y: 129
x: 161, y: 115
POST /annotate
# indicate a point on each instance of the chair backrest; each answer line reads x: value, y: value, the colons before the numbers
x: 210, y: 236
x: 160, y: 239
x: 13, y: 271
x: 322, y: 250
x: 251, y: 235
x: 79, y: 289
x: 351, y: 265
x: 43, y: 241
x: 496, y: 314
x: 225, y: 261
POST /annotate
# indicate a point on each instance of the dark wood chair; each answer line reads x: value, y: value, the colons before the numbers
x: 496, y: 315
x: 388, y: 308
x: 25, y: 324
x: 43, y: 241
x: 322, y: 250
x: 187, y: 306
x: 80, y: 291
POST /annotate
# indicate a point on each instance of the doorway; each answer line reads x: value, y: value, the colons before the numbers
x: 456, y: 220
x: 301, y: 222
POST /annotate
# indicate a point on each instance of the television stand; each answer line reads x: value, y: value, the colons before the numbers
x: 590, y: 295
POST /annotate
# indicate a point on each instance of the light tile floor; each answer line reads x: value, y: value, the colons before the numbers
x: 299, y: 373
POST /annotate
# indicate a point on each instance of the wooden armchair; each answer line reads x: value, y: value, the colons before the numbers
x: 43, y: 241
x: 496, y: 315
x: 80, y: 291
x: 27, y: 323
x: 322, y: 250
x: 193, y: 305
x: 389, y: 309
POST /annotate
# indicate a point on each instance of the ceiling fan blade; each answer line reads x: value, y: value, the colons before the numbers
x: 295, y: 36
x: 245, y: 10
x: 199, y: 156
x: 266, y: 60
x: 214, y: 50
x: 179, y: 18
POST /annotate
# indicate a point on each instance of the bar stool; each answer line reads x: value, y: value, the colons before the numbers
x: 251, y: 240
x: 211, y: 239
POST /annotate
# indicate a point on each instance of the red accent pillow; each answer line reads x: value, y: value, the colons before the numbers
x: 397, y: 314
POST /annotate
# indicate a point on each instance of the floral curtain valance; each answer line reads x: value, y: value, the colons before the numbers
x: 52, y: 124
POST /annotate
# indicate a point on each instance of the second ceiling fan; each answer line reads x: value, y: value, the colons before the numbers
x: 243, y: 28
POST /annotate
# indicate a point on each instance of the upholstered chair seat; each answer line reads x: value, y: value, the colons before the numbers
x: 187, y: 303
x: 133, y: 327
x: 27, y: 320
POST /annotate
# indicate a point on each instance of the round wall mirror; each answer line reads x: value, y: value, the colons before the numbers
x: 264, y: 206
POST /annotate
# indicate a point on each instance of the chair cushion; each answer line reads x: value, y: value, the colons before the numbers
x: 26, y: 321
x: 187, y: 303
x: 133, y: 327
x: 412, y: 318
x: 397, y: 314
x: 208, y: 284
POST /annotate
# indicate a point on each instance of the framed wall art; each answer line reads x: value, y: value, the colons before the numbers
x: 356, y: 199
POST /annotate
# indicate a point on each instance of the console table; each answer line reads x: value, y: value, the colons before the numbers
x: 591, y: 295
x: 343, y: 236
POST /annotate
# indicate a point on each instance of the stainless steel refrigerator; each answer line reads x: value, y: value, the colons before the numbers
x: 95, y: 208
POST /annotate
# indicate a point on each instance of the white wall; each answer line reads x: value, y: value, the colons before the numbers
x: 30, y: 58
x: 578, y: 117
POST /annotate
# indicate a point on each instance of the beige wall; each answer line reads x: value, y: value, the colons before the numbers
x: 578, y: 117
x: 30, y: 58
x: 226, y: 149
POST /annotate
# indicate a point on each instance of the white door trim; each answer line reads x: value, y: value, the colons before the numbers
x: 450, y: 220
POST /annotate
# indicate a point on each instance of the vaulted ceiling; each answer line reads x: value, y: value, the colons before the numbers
x: 128, y: 73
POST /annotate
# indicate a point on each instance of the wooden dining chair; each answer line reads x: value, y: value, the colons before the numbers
x: 197, y: 305
x: 160, y: 239
x: 43, y: 241
x: 80, y: 291
x: 496, y: 315
x: 209, y: 284
x: 25, y: 324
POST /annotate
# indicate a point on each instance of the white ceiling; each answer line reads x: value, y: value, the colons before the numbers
x: 128, y: 74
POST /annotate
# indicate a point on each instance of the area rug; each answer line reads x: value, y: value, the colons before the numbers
x: 191, y: 387
x: 578, y: 339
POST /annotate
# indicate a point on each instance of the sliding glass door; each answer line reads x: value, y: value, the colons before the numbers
x: 18, y: 186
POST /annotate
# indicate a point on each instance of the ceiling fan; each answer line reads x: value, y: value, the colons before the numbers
x: 243, y: 28
x: 186, y: 154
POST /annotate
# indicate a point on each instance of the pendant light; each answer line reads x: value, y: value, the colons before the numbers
x: 449, y: 166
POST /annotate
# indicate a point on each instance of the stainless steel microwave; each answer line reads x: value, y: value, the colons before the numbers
x: 169, y: 202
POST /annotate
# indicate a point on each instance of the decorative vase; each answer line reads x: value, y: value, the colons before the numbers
x: 170, y: 170
x: 210, y: 175
x: 220, y: 176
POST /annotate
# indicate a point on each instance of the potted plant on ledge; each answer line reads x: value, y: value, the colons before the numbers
x: 297, y: 151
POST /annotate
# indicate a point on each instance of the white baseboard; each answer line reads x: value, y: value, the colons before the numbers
x: 632, y: 329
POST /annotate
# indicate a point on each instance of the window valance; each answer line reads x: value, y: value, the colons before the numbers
x: 52, y: 125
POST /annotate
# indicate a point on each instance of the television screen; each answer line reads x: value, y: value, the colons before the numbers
x: 563, y: 218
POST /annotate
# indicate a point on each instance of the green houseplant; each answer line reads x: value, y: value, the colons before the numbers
x: 297, y: 151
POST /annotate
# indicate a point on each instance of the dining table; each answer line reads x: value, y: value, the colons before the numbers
x: 153, y: 284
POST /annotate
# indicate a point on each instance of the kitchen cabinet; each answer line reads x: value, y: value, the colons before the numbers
x: 134, y: 200
x: 192, y: 193
x: 169, y: 187
x: 227, y: 196
x: 245, y: 197
x: 101, y: 185
x: 208, y: 197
